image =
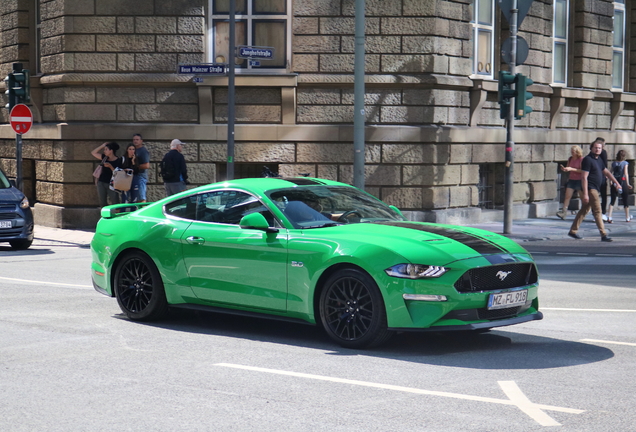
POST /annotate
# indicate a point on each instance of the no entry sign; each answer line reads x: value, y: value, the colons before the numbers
x: 21, y: 119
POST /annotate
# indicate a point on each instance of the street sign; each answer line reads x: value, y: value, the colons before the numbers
x: 21, y: 119
x: 203, y: 69
x: 523, y: 6
x: 522, y: 50
x: 254, y: 52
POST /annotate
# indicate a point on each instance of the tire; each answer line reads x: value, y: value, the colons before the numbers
x: 139, y: 288
x: 352, y: 310
x: 21, y: 244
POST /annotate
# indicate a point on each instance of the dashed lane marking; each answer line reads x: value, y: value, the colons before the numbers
x: 24, y: 281
x: 608, y: 342
x: 516, y: 397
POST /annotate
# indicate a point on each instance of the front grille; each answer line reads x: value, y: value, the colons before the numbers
x: 5, y: 216
x: 490, y: 278
x: 485, y: 314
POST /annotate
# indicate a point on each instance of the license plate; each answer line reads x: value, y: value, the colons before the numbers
x: 5, y: 224
x: 507, y: 299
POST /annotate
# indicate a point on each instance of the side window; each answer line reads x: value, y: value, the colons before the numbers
x: 229, y: 207
x: 183, y: 208
x: 259, y: 23
x: 483, y: 22
x: 618, y: 56
x: 560, y: 40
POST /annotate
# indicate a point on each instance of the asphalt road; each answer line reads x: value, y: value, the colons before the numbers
x: 70, y: 361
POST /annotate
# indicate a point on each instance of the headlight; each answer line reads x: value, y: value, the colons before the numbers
x: 415, y: 271
x: 24, y: 203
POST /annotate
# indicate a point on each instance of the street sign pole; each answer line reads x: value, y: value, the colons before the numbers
x: 231, y: 93
x: 510, y: 127
x: 358, y: 100
x: 18, y: 161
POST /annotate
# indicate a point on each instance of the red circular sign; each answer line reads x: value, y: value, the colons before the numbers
x: 21, y: 118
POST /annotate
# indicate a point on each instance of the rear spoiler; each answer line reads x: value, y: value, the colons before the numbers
x: 111, y: 211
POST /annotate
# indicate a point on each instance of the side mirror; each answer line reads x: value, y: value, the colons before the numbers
x: 13, y: 183
x: 397, y: 210
x: 256, y: 221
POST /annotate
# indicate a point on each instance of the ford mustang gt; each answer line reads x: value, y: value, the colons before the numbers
x: 313, y: 251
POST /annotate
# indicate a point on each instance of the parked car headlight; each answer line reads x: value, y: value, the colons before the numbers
x: 415, y: 271
x: 24, y: 203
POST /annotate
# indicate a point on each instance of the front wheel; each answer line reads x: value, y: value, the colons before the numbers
x: 139, y: 288
x: 352, y: 310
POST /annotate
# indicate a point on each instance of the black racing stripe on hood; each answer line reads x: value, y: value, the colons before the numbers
x: 478, y: 244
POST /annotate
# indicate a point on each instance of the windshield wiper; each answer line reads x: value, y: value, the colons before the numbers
x: 328, y: 224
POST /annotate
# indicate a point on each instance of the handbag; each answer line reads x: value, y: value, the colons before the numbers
x: 97, y: 173
x: 121, y: 180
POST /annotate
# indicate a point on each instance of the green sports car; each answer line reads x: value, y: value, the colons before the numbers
x: 313, y: 251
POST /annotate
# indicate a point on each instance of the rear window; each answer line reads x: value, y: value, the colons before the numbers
x: 4, y: 181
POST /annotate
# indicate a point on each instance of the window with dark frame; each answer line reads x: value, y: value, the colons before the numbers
x: 259, y: 23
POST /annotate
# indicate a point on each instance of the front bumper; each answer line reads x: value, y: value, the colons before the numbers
x: 477, y: 326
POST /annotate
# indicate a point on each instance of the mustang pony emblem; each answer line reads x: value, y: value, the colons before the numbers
x: 502, y: 274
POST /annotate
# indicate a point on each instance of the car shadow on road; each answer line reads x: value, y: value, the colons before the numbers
x: 27, y: 252
x: 497, y: 349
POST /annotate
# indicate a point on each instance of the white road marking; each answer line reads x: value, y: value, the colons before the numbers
x: 514, y: 393
x: 517, y: 399
x: 588, y: 310
x: 608, y: 342
x: 572, y: 253
x: 613, y: 255
x: 25, y: 281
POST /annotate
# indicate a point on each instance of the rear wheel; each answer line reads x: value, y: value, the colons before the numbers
x: 139, y: 288
x: 352, y: 310
x: 21, y: 244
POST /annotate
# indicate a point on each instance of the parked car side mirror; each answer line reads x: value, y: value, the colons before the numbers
x: 256, y: 221
x: 13, y: 183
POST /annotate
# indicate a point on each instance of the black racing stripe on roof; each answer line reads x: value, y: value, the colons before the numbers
x: 300, y: 181
x: 478, y: 244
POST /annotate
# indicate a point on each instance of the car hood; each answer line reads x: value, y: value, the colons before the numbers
x: 11, y: 195
x: 421, y: 242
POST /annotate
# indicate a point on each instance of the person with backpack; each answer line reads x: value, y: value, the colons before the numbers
x: 620, y: 172
x: 173, y: 169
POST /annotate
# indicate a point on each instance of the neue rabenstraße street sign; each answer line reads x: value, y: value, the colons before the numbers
x: 255, y: 52
x: 203, y: 69
x: 523, y: 6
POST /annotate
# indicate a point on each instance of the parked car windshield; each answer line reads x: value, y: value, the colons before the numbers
x: 4, y: 181
x: 319, y: 206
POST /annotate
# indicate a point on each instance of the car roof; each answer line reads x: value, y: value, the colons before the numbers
x: 261, y: 185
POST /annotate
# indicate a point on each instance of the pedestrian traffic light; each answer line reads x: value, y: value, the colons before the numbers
x: 522, y: 95
x: 506, y: 92
x: 18, y: 86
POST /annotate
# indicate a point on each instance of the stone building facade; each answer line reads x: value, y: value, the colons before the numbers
x: 103, y: 70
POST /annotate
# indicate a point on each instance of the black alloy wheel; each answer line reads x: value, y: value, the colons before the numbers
x: 352, y: 310
x: 139, y: 288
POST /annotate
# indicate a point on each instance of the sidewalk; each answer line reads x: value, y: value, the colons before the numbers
x: 554, y: 228
x: 550, y: 228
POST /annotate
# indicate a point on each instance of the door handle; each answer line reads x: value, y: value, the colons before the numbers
x: 195, y: 240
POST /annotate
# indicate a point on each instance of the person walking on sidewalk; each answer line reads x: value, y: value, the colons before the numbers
x: 174, y: 170
x: 619, y: 170
x: 593, y: 171
x: 603, y: 188
x: 140, y: 180
x: 574, y: 181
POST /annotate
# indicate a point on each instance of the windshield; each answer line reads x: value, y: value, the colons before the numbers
x: 319, y: 206
x: 4, y: 182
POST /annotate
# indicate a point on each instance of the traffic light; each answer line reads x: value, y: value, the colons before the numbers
x: 506, y: 92
x: 18, y: 86
x: 522, y: 95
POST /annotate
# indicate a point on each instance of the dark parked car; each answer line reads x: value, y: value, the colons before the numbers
x: 16, y: 218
